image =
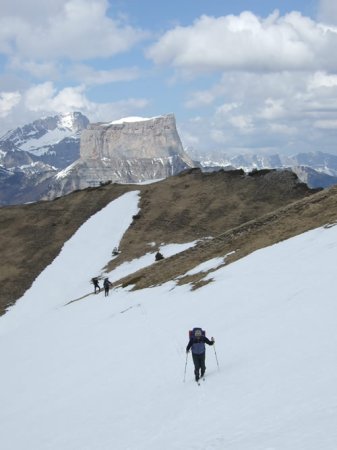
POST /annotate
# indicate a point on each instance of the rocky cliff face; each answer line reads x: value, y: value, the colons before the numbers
x: 131, y: 150
x: 144, y: 139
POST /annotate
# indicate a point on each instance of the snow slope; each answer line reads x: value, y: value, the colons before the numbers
x: 107, y: 373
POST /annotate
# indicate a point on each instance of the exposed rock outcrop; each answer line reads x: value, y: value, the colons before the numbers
x: 140, y: 139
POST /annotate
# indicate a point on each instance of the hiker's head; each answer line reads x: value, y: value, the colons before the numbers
x: 197, y: 333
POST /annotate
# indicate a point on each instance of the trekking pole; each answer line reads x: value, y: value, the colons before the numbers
x: 185, y: 366
x: 216, y: 357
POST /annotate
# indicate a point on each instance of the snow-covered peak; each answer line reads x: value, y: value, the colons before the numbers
x: 67, y: 121
x: 38, y: 136
x: 130, y: 120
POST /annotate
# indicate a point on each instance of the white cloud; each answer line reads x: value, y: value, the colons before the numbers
x: 45, y: 99
x: 201, y: 98
x: 277, y: 85
x: 326, y: 124
x: 322, y: 79
x: 77, y: 30
x: 244, y: 123
x: 283, y: 112
x: 39, y: 98
x: 190, y: 140
x: 272, y: 109
x: 282, y: 129
x: 89, y: 76
x: 40, y: 70
x: 226, y: 108
x: 247, y: 42
x: 218, y: 136
x: 34, y: 10
x: 8, y: 100
x: 328, y: 11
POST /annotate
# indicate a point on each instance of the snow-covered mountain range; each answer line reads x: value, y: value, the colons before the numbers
x: 56, y: 155
x: 319, y: 161
x: 44, y: 159
x: 84, y: 371
x: 317, y: 169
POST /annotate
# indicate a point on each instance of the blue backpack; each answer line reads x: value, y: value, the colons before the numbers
x: 198, y: 346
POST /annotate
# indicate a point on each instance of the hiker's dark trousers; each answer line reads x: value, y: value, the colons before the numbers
x: 199, y: 364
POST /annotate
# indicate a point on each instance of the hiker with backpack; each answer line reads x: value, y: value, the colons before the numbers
x: 95, y: 283
x: 197, y: 343
x: 158, y: 256
x: 106, y: 285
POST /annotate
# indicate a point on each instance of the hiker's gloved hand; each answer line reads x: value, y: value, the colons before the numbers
x: 212, y: 339
x: 187, y: 351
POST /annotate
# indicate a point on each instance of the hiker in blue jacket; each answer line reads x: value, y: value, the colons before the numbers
x: 197, y: 344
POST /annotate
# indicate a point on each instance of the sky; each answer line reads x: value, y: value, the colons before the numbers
x: 85, y: 371
x: 240, y: 76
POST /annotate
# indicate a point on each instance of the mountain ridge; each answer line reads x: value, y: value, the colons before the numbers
x: 74, y: 154
x: 189, y: 206
x: 43, y: 159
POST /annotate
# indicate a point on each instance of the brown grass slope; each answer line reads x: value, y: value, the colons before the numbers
x: 286, y: 222
x: 179, y: 209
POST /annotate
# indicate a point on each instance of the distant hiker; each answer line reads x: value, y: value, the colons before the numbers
x: 106, y: 284
x: 197, y: 343
x: 159, y: 256
x: 95, y: 283
x: 115, y: 251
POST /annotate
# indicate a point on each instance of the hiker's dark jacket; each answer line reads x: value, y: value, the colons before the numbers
x: 198, y: 345
x: 107, y: 283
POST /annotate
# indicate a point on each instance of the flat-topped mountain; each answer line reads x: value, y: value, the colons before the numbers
x: 133, y: 138
x: 130, y: 150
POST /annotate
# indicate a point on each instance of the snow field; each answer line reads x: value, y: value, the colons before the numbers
x: 107, y: 373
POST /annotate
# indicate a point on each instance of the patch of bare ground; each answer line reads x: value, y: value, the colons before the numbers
x: 187, y: 207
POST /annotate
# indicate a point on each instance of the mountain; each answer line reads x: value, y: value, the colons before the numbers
x: 313, y: 178
x: 319, y: 161
x: 31, y: 155
x: 54, y: 156
x: 81, y: 370
x: 73, y: 154
x: 318, y: 169
x: 24, y: 186
x: 130, y: 150
x: 51, y: 140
